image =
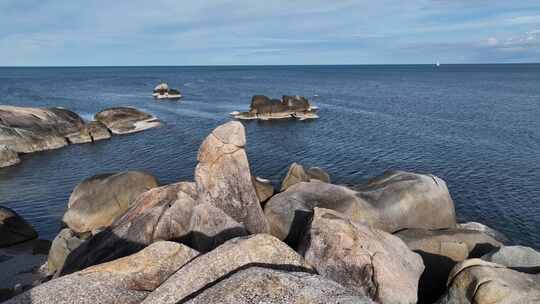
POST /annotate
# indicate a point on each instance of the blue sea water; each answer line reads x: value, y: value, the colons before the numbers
x: 475, y: 126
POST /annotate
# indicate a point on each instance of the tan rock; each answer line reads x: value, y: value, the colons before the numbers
x: 98, y: 131
x: 8, y: 157
x: 263, y: 188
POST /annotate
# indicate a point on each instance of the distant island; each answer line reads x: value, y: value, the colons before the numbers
x: 264, y: 108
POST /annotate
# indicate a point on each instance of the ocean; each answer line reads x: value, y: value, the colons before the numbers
x: 475, y: 126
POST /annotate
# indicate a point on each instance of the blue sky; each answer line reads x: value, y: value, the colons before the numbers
x: 173, y: 32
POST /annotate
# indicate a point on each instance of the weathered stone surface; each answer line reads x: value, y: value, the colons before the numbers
x: 63, y: 244
x: 98, y: 131
x: 166, y: 213
x: 8, y: 157
x: 255, y: 250
x: 223, y: 177
x: 263, y: 188
x: 479, y: 282
x: 124, y: 120
x: 318, y: 174
x: 13, y: 228
x: 485, y: 229
x: 515, y: 257
x: 126, y: 280
x: 296, y: 174
x: 392, y: 202
x: 263, y: 285
x: 441, y: 250
x: 362, y: 258
x: 96, y: 202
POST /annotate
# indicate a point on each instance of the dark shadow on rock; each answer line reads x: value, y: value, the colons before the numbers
x: 480, y: 249
x: 300, y: 222
x: 280, y: 267
x: 432, y: 283
x: 529, y: 270
x: 204, y: 243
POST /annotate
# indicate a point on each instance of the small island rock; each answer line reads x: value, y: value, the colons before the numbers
x: 125, y: 120
x: 13, y: 228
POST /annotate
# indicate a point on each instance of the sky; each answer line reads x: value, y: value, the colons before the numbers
x: 254, y: 32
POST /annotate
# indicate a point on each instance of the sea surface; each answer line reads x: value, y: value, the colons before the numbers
x: 475, y: 126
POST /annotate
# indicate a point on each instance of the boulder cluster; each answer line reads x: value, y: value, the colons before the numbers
x: 230, y: 237
x: 27, y: 130
x: 264, y: 108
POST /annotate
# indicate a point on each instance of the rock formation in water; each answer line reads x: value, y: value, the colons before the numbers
x: 393, y: 240
x: 13, y: 228
x: 27, y: 130
x: 264, y: 108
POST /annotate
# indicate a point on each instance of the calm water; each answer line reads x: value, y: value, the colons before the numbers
x: 476, y: 126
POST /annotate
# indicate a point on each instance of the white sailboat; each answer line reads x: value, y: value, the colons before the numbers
x: 438, y: 64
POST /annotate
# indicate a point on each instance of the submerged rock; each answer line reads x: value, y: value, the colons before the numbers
x: 265, y: 108
x: 271, y: 286
x: 96, y: 202
x: 126, y: 280
x: 8, y: 157
x: 392, y: 202
x: 13, y: 228
x: 125, y: 120
x: 361, y: 258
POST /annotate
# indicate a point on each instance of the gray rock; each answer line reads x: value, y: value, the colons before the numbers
x: 125, y: 120
x: 263, y: 188
x: 265, y: 108
x: 318, y: 174
x: 296, y: 174
x: 361, y: 258
x: 8, y: 157
x: 234, y: 255
x: 263, y: 285
x: 480, y: 282
x: 441, y: 250
x: 126, y: 280
x: 63, y: 244
x: 223, y: 177
x: 515, y: 257
x: 96, y: 202
x: 13, y: 228
x: 485, y: 229
x: 392, y: 202
x: 98, y: 131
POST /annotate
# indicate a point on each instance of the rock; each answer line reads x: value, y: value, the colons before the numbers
x: 165, y: 213
x: 263, y: 285
x: 295, y: 175
x: 361, y: 258
x: 318, y: 174
x: 223, y: 177
x: 265, y: 108
x: 26, y: 130
x: 8, y: 157
x: 236, y: 254
x: 13, y: 228
x: 516, y: 257
x: 98, y: 131
x: 441, y: 250
x: 263, y: 188
x: 125, y: 120
x: 96, y: 202
x: 126, y: 280
x: 480, y: 282
x: 392, y: 202
x: 485, y: 229
x: 63, y: 244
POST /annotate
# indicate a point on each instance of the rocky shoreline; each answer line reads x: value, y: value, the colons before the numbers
x: 28, y: 130
x: 230, y: 237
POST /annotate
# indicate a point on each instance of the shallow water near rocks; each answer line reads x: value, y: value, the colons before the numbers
x: 475, y: 126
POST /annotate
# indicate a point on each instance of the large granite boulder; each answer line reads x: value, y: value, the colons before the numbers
x: 520, y: 258
x: 271, y: 286
x: 441, y: 250
x: 8, y: 157
x: 476, y: 281
x: 124, y: 120
x: 126, y: 280
x: 170, y: 212
x: 392, y: 202
x: 26, y: 130
x: 98, y: 131
x: 234, y: 255
x: 297, y: 174
x: 362, y: 258
x: 263, y: 188
x: 63, y: 244
x: 96, y: 202
x: 223, y: 177
x: 13, y: 228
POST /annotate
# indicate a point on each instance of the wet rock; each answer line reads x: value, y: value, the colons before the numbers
x: 63, y: 244
x: 223, y: 177
x: 96, y: 202
x: 441, y: 250
x: 236, y: 254
x: 480, y: 282
x: 359, y: 257
x: 13, y: 228
x: 392, y: 202
x: 126, y: 280
x: 125, y: 120
x: 8, y: 157
x: 98, y: 131
x: 263, y: 188
x: 263, y: 285
x: 516, y: 257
